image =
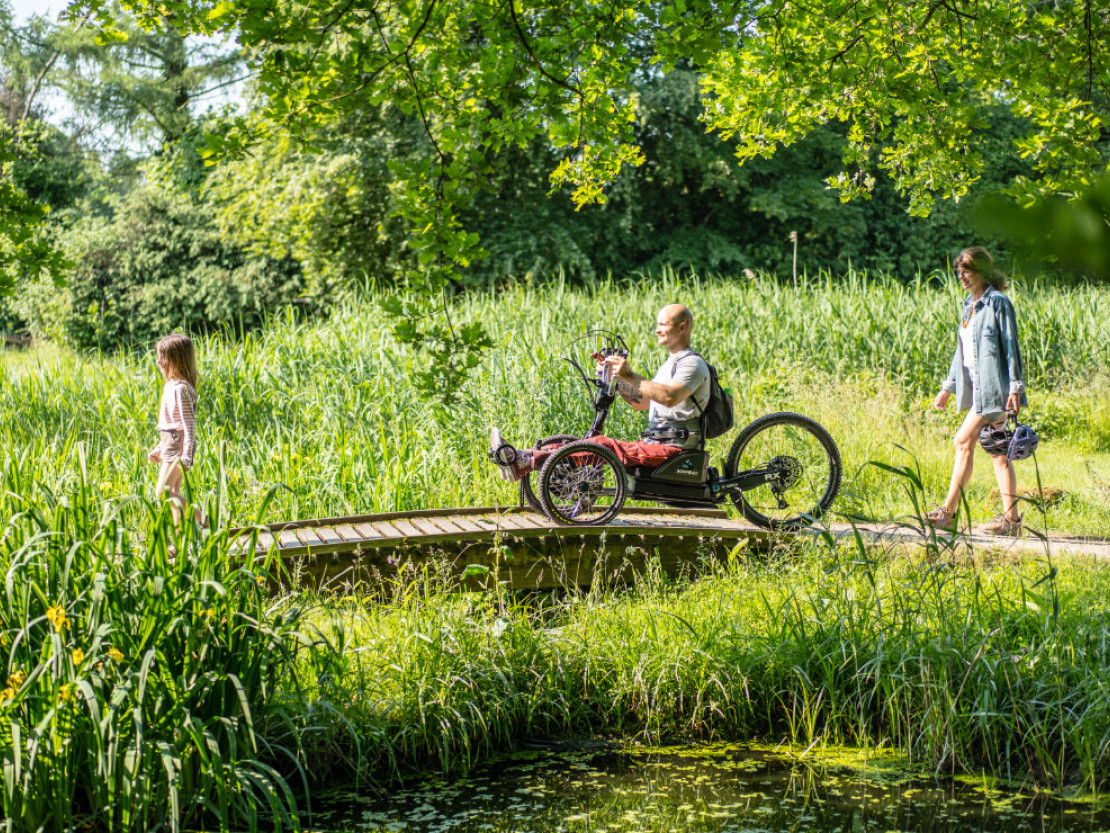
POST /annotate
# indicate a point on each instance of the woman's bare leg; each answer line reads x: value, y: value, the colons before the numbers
x: 1007, y: 486
x: 967, y: 437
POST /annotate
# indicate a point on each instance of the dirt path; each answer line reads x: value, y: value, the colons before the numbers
x: 1028, y: 544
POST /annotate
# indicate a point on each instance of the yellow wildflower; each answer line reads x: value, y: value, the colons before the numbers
x: 16, y: 678
x: 115, y: 654
x: 260, y: 579
x: 6, y: 695
x: 78, y: 656
x: 57, y: 617
x: 65, y: 693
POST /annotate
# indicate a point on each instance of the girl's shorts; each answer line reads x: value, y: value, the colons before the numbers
x: 171, y: 445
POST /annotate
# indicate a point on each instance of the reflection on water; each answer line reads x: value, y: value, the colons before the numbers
x: 705, y: 789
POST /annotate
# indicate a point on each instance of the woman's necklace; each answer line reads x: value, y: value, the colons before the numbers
x: 967, y: 321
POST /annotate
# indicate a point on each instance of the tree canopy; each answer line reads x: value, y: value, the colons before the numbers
x: 909, y: 96
x: 913, y: 81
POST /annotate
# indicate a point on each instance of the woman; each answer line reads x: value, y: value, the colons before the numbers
x: 986, y: 377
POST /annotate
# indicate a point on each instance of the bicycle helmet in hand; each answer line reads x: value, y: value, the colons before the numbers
x: 1016, y: 443
x: 1023, y: 443
x: 996, y: 439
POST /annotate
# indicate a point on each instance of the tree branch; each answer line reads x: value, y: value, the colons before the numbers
x: 535, y: 58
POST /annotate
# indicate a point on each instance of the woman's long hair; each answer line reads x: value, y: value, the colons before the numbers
x: 978, y: 260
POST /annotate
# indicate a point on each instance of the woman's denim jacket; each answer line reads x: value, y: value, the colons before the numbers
x: 998, y: 369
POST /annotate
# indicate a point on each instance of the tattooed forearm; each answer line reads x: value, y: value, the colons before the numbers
x: 630, y: 392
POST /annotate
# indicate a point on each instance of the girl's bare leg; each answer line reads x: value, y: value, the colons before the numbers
x: 169, y: 486
x: 1007, y: 486
x: 169, y: 480
x: 967, y: 437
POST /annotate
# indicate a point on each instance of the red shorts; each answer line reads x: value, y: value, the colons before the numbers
x: 638, y: 453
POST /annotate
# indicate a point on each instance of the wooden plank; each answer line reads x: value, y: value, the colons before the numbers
x: 446, y: 527
x: 427, y: 528
x: 467, y: 524
x: 309, y: 537
x: 388, y: 530
x: 287, y: 539
x: 347, y: 533
x: 407, y: 528
x: 367, y: 532
x: 532, y: 521
x: 514, y: 522
x: 330, y: 537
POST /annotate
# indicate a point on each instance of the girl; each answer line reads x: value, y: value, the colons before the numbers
x: 176, y: 418
x: 986, y: 377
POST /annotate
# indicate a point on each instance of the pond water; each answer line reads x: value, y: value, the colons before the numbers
x: 703, y: 789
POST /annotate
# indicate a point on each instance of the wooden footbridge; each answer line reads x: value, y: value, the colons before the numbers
x: 505, y: 544
x: 512, y: 545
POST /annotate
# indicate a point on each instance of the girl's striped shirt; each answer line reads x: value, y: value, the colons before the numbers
x: 177, y: 412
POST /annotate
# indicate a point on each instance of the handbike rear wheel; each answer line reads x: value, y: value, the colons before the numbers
x: 582, y: 483
x: 527, y: 493
x: 803, y: 470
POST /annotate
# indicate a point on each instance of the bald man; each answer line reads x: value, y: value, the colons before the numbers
x: 673, y: 399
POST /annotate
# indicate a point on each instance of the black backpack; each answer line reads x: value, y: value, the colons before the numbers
x: 716, y: 416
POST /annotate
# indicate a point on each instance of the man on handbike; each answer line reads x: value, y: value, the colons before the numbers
x: 674, y: 400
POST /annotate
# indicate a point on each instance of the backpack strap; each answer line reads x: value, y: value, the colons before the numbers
x: 674, y: 369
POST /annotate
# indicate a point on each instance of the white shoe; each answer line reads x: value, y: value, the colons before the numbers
x: 521, y: 465
x: 495, y: 442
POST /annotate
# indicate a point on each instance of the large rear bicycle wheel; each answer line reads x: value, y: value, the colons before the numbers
x: 527, y: 493
x: 801, y: 464
x: 582, y: 483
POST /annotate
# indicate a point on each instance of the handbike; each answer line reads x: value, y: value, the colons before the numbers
x: 782, y: 471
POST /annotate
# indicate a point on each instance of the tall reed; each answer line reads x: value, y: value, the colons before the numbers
x: 327, y: 407
x: 140, y: 691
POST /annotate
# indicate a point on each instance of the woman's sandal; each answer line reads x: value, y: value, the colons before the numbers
x: 941, y: 518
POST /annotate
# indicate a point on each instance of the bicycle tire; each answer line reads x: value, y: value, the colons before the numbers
x: 818, y: 474
x: 528, y: 495
x: 575, y: 477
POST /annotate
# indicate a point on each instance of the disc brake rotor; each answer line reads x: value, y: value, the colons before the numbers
x: 787, y: 471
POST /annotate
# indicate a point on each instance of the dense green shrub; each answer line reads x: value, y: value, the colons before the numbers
x: 159, y: 264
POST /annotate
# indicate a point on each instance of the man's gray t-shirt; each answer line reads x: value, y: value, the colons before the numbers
x: 689, y: 370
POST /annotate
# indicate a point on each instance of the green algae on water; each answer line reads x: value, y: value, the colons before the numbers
x: 716, y: 788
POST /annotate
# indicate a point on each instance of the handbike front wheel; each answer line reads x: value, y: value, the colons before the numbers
x: 801, y: 464
x: 528, y: 495
x: 582, y: 483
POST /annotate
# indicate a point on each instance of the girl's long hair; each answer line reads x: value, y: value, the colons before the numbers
x: 181, y: 361
x: 978, y: 260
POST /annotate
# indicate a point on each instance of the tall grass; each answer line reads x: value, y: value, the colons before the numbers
x: 327, y: 408
x: 139, y: 691
x: 964, y: 664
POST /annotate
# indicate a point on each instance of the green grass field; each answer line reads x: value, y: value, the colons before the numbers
x: 326, y: 407
x: 139, y: 690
